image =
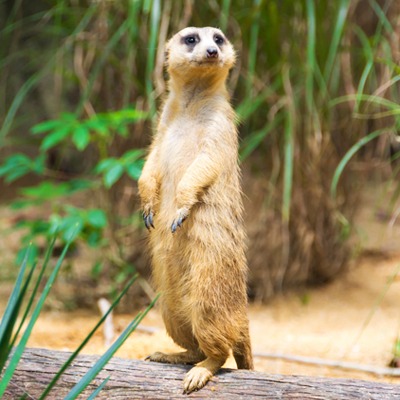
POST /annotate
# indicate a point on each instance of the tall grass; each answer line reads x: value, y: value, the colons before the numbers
x: 304, y: 69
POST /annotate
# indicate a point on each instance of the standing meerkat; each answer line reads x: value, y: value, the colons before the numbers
x: 191, y: 199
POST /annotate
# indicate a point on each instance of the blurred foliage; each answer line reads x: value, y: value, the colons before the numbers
x: 87, y: 224
x: 315, y: 88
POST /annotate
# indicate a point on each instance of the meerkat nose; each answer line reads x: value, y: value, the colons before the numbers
x: 212, y: 52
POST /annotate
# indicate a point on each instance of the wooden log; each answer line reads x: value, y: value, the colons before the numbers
x: 132, y: 379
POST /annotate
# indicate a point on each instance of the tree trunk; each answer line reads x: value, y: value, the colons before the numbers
x: 132, y: 379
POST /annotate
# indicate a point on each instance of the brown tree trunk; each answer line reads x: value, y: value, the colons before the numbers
x: 132, y: 379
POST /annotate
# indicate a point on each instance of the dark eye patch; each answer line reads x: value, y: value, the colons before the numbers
x: 191, y: 39
x: 218, y: 39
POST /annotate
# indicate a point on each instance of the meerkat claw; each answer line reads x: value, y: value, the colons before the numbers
x: 177, y: 223
x: 148, y: 220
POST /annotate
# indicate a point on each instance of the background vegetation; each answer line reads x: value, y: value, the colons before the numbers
x: 316, y: 89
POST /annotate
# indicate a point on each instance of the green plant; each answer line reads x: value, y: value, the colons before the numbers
x: 89, y: 224
x: 25, y: 305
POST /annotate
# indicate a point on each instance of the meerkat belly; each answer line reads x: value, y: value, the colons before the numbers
x: 178, y: 150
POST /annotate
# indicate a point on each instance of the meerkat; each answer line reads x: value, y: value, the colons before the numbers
x: 191, y: 200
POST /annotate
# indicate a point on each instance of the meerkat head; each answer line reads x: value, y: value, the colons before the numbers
x: 193, y: 50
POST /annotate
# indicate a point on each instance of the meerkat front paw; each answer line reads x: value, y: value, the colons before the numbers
x: 181, y: 215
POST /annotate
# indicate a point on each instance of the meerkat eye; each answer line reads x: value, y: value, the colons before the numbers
x: 218, y: 39
x: 190, y: 40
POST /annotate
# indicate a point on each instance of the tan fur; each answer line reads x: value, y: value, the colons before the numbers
x: 192, y: 175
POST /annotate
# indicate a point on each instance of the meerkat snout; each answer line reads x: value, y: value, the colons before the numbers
x: 212, y: 52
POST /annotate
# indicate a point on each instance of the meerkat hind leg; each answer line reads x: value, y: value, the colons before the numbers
x: 199, y: 375
x: 183, y: 357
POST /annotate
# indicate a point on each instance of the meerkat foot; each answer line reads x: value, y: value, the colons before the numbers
x: 195, y: 379
x: 199, y: 375
x: 184, y: 357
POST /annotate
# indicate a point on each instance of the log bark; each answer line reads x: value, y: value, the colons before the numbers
x: 132, y: 379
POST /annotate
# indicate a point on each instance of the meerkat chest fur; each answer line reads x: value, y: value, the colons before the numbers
x: 191, y: 131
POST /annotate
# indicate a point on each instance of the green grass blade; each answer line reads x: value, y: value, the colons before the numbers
x: 88, y: 337
x: 344, y: 161
x: 18, y: 99
x: 36, y: 288
x: 11, y: 313
x: 22, y: 297
x: 368, y: 53
x: 98, y: 390
x: 35, y: 78
x: 383, y: 20
x: 151, y: 53
x: 311, y: 59
x: 288, y: 166
x: 337, y: 35
x: 254, y: 31
x: 225, y: 14
x: 377, y: 100
x: 97, y: 367
x: 252, y: 141
x: 250, y: 105
x: 114, y: 40
x: 22, y: 344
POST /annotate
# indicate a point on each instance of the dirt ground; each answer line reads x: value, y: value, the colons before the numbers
x: 356, y: 318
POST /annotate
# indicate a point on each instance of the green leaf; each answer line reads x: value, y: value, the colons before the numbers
x: 131, y: 156
x: 77, y: 185
x: 99, y: 125
x: 54, y: 138
x: 18, y: 165
x: 46, y: 126
x: 16, y: 173
x: 135, y: 170
x: 122, y: 130
x: 106, y: 164
x: 38, y: 165
x: 94, y: 238
x: 81, y: 137
x: 71, y: 228
x: 113, y: 174
x: 97, y: 218
x: 46, y: 190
